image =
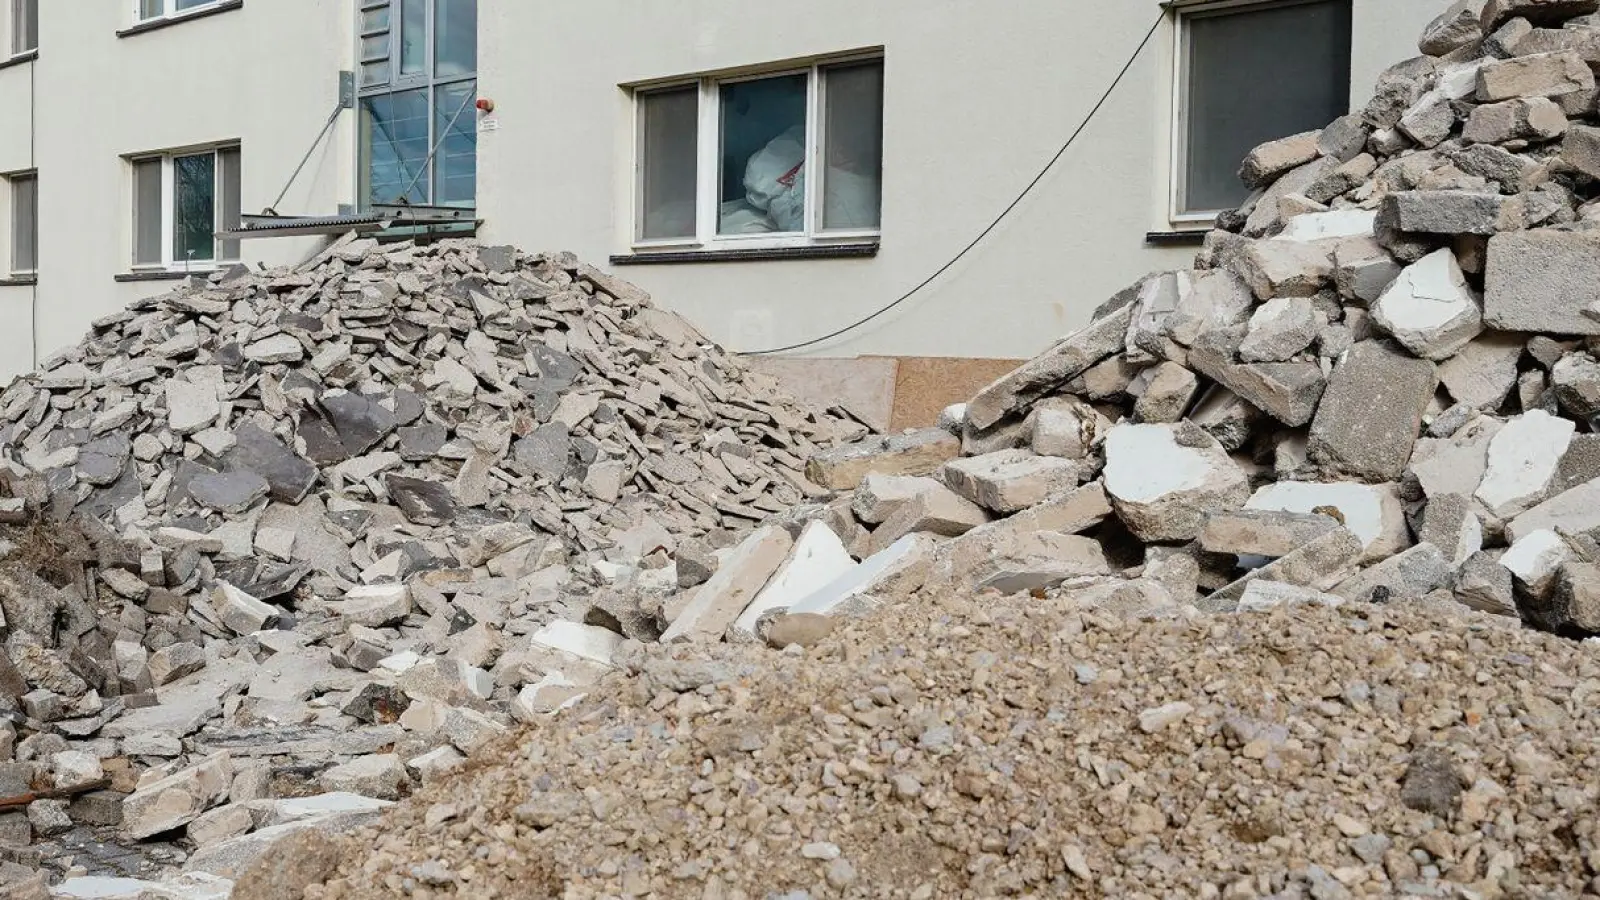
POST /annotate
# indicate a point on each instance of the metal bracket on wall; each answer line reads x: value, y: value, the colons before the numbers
x: 347, y: 90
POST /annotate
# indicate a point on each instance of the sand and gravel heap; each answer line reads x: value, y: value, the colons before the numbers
x: 976, y: 746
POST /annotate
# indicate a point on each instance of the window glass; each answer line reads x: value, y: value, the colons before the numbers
x: 149, y: 9
x: 1252, y: 76
x: 375, y: 20
x: 24, y: 223
x: 394, y: 138
x: 852, y: 117
x: 669, y: 122
x: 228, y: 185
x: 455, y: 26
x: 25, y: 25
x: 763, y: 155
x: 194, y: 208
x: 456, y: 133
x: 147, y: 212
x: 413, y: 36
x: 182, y: 5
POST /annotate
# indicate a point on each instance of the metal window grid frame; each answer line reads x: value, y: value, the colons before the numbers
x: 708, y: 171
x: 427, y: 80
x: 168, y: 212
x: 15, y: 182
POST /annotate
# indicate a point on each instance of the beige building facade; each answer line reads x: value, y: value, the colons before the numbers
x: 670, y: 140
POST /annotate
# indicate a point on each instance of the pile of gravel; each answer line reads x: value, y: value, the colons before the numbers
x: 975, y: 746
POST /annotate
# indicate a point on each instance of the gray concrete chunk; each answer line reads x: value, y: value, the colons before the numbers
x: 1371, y: 414
x: 1429, y: 308
x: 1011, y: 480
x: 1262, y: 532
x: 919, y: 453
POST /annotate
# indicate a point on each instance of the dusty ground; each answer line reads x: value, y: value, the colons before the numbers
x: 980, y: 747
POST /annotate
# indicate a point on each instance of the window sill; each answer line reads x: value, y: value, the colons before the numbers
x: 19, y: 281
x: 1184, y: 238
x: 158, y: 24
x: 158, y: 275
x: 27, y: 56
x: 821, y: 251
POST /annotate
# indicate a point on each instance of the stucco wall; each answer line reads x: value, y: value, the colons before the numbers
x: 975, y: 102
x: 266, y: 75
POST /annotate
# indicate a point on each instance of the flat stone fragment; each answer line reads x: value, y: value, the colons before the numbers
x: 1266, y: 162
x: 589, y: 642
x: 1522, y: 462
x: 1449, y: 212
x: 1483, y: 584
x: 879, y: 496
x: 1576, y: 379
x: 1069, y: 358
x: 817, y: 558
x: 1551, y: 13
x: 1007, y: 481
x: 1011, y: 562
x: 289, y: 476
x: 1574, y: 607
x: 1541, y: 281
x: 1165, y: 480
x: 1320, y: 564
x: 1363, y: 270
x: 361, y: 422
x: 918, y: 453
x: 1372, y: 512
x: 902, y: 568
x: 1429, y: 308
x: 1535, y: 562
x: 1450, y: 524
x: 241, y: 612
x: 421, y: 501
x: 190, y: 407
x: 1482, y: 373
x: 1457, y: 26
x: 178, y: 799
x: 1262, y: 532
x: 1580, y: 149
x: 175, y: 661
x: 1169, y: 394
x: 379, y: 776
x: 375, y: 605
x: 1280, y: 329
x: 280, y: 348
x: 1536, y: 119
x: 1405, y: 576
x: 718, y: 603
x: 1574, y: 511
x: 1288, y: 392
x: 1262, y: 596
x: 1285, y: 268
x: 942, y: 512
x: 1535, y: 75
x: 1371, y: 413
x: 229, y: 492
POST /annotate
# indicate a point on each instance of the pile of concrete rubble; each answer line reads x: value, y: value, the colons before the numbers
x: 1376, y: 383
x: 335, y: 519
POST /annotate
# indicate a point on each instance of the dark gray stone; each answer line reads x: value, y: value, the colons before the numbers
x: 101, y: 461
x: 422, y: 442
x: 556, y: 369
x: 360, y: 421
x: 1371, y: 413
x: 422, y: 502
x: 1432, y: 784
x: 546, y: 452
x: 228, y: 492
x: 323, y: 445
x: 407, y: 407
x: 288, y: 475
x: 498, y: 259
x: 106, y: 501
x: 377, y: 704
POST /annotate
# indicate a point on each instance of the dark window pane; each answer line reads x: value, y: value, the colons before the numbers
x: 763, y: 155
x: 669, y: 122
x: 182, y: 5
x: 194, y: 208
x: 455, y: 26
x: 852, y: 185
x: 25, y: 25
x: 1254, y: 76
x: 374, y: 73
x: 456, y: 128
x: 228, y: 184
x: 24, y: 223
x: 147, y: 212
x: 413, y: 36
x: 394, y: 145
x: 149, y: 9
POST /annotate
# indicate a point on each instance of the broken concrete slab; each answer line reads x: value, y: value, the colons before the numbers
x: 1537, y: 119
x: 1540, y: 281
x: 375, y: 605
x: 718, y: 602
x: 1429, y: 307
x: 1268, y: 161
x: 1483, y: 584
x: 1011, y: 562
x: 1069, y: 358
x: 1404, y: 576
x: 1371, y: 414
x: 941, y: 512
x: 1573, y: 511
x: 1535, y: 562
x: 177, y: 799
x: 1263, y: 596
x: 240, y: 612
x: 1535, y: 75
x: 1165, y: 480
x: 1262, y: 532
x: 1288, y: 392
x: 1168, y: 395
x: 1008, y: 481
x: 1373, y: 513
x: 903, y: 567
x: 1482, y: 373
x: 1323, y: 562
x: 918, y: 453
x: 817, y: 559
x: 1449, y: 212
x: 1522, y: 462
x: 1280, y: 329
x: 1450, y: 524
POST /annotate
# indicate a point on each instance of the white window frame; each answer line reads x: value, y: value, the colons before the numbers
x: 708, y: 175
x: 14, y: 30
x: 169, y: 210
x: 9, y: 180
x: 169, y: 10
x: 1184, y: 10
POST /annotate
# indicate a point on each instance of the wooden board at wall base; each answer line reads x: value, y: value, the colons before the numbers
x: 925, y: 385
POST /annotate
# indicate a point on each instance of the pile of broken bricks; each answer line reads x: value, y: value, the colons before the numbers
x: 1376, y: 384
x: 338, y: 523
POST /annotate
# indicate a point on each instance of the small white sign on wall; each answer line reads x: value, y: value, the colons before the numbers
x: 489, y: 123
